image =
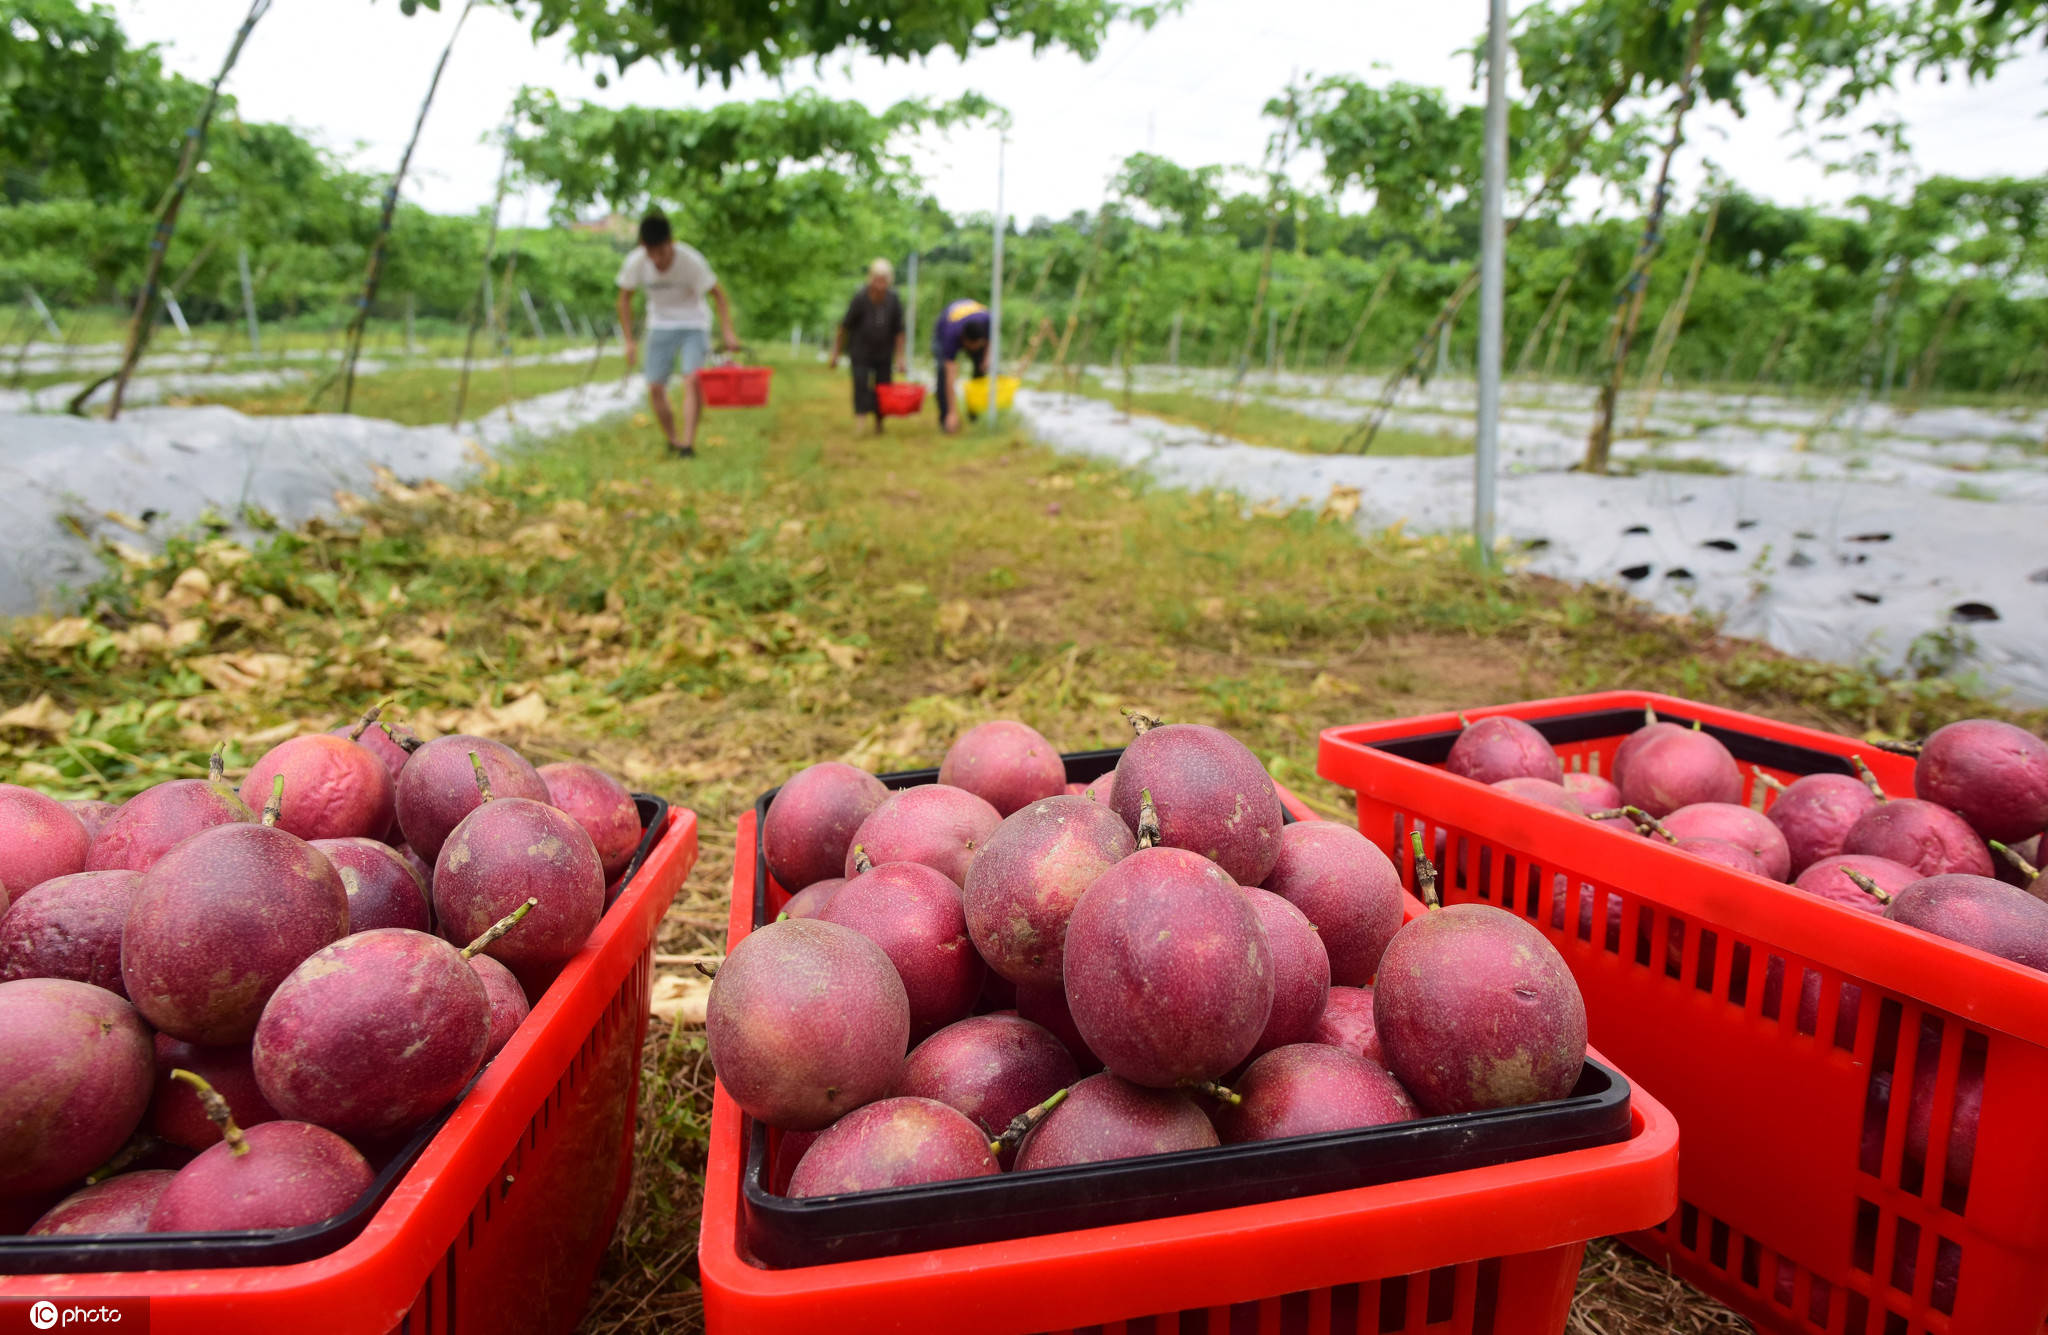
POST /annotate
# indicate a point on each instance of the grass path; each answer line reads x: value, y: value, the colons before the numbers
x: 421, y: 395
x: 804, y: 591
x: 1259, y: 418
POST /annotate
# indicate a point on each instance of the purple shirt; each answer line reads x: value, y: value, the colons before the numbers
x: 956, y: 322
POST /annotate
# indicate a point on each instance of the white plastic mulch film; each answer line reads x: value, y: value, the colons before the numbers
x: 68, y: 484
x: 1899, y: 539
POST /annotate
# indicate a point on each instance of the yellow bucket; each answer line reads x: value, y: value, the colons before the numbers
x: 976, y: 392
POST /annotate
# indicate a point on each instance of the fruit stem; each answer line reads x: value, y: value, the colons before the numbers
x: 369, y: 718
x: 408, y: 743
x: 1141, y: 723
x: 2019, y: 864
x: 1463, y: 722
x: 1900, y: 748
x: 274, y: 808
x: 1425, y: 872
x: 1215, y: 1091
x: 1766, y: 780
x: 1148, y: 819
x: 1868, y: 886
x: 216, y: 1111
x: 1021, y: 1124
x: 483, y: 780
x: 1649, y: 824
x: 1869, y: 779
x: 708, y: 970
x: 216, y: 764
x: 139, y: 1145
x: 1644, y: 822
x: 498, y: 929
x: 861, y: 862
x: 1649, y: 715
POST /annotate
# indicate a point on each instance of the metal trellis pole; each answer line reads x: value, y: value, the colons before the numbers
x: 910, y: 323
x: 995, y: 301
x: 1492, y: 279
x: 248, y: 301
x: 49, y: 321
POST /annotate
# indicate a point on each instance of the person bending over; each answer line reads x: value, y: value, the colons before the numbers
x: 872, y: 337
x: 676, y: 280
x: 962, y: 327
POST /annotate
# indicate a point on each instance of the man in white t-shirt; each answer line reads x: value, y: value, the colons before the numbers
x: 677, y: 280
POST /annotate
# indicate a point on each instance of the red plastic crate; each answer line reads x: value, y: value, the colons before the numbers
x: 899, y: 400
x: 1799, y: 1205
x: 735, y: 386
x: 502, y: 1222
x: 1489, y: 1251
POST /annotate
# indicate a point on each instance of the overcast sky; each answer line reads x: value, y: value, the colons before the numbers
x: 350, y: 74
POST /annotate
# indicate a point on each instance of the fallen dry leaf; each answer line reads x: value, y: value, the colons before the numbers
x: 38, y: 715
x: 233, y: 674
x: 66, y: 633
x: 546, y: 538
x: 1342, y: 505
x: 191, y: 587
x: 681, y: 997
x: 952, y: 618
x: 524, y: 714
x: 131, y: 556
x: 270, y: 737
x: 1326, y: 685
x: 889, y: 743
x: 144, y: 637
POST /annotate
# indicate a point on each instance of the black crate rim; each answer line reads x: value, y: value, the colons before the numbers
x: 242, y: 1248
x: 783, y: 1233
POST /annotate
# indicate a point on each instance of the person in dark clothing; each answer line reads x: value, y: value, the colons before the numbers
x: 872, y: 337
x: 962, y: 327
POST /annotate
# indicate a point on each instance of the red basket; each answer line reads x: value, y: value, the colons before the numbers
x: 1799, y: 1204
x: 502, y: 1222
x: 899, y: 400
x: 1486, y: 1250
x: 734, y: 386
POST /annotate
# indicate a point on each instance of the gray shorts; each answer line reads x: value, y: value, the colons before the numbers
x: 665, y: 346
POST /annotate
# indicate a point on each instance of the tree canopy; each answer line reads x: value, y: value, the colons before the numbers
x: 1829, y: 57
x: 82, y: 111
x: 718, y: 38
x: 789, y: 197
x: 624, y: 156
